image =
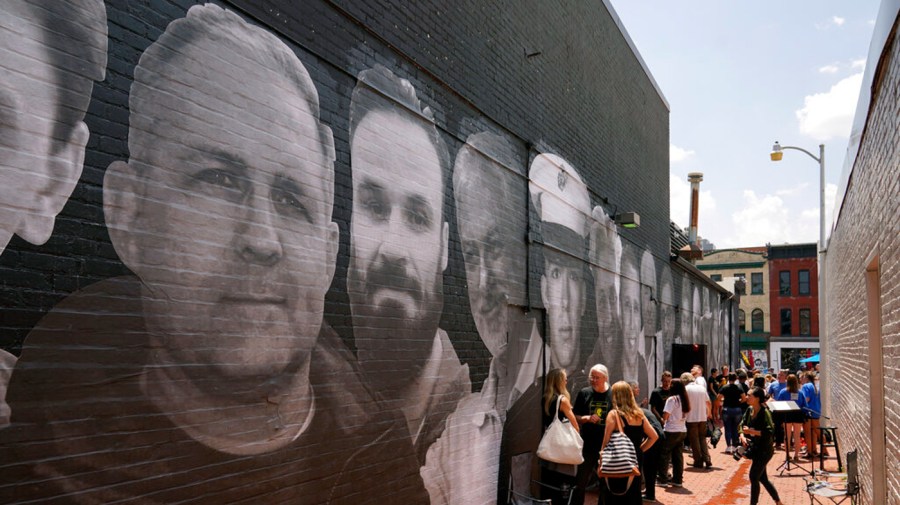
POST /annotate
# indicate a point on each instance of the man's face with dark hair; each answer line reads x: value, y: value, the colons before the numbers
x: 398, y: 237
x: 563, y: 293
x: 37, y: 172
x: 224, y: 214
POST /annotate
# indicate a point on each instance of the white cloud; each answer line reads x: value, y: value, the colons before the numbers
x: 792, y: 191
x: 766, y: 219
x: 677, y: 154
x: 680, y: 201
x: 858, y: 64
x: 828, y: 69
x: 761, y: 220
x: 834, y: 21
x: 837, y: 20
x: 830, y: 114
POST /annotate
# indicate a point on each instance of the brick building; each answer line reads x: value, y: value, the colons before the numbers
x: 749, y: 264
x: 324, y: 251
x: 794, y: 303
x: 861, y: 341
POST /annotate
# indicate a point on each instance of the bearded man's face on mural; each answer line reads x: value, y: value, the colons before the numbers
x: 224, y: 209
x: 398, y: 238
x: 631, y: 313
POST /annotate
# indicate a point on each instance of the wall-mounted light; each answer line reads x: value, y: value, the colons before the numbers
x: 628, y: 219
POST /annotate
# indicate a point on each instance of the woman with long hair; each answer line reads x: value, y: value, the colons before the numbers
x: 757, y: 426
x: 793, y: 420
x: 557, y: 476
x: 629, y: 418
x: 674, y: 414
x: 555, y: 387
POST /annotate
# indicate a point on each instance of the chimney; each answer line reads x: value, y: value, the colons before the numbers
x: 693, y: 252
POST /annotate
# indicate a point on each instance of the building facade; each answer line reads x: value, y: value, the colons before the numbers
x: 861, y: 341
x: 794, y: 304
x: 749, y: 265
x: 323, y: 251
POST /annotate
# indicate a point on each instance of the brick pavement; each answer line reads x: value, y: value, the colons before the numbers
x: 727, y: 483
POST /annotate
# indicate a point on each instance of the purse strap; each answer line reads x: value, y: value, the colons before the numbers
x: 558, y: 399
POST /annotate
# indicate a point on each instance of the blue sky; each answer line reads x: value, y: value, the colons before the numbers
x: 740, y: 75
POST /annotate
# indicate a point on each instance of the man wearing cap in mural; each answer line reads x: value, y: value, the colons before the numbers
x: 398, y: 253
x: 563, y: 204
x: 209, y: 374
x: 52, y: 53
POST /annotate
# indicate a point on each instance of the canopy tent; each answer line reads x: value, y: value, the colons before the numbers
x: 812, y: 359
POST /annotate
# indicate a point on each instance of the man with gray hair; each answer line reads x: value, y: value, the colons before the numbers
x: 214, y: 354
x: 590, y: 408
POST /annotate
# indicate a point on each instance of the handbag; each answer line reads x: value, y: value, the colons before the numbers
x: 561, y: 443
x: 713, y: 432
x: 618, y: 459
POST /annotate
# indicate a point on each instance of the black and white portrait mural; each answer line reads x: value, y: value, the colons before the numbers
x: 52, y: 54
x: 286, y: 252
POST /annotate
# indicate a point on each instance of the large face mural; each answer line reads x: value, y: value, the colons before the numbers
x: 285, y: 227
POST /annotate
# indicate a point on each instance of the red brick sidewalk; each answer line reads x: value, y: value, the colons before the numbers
x: 727, y: 482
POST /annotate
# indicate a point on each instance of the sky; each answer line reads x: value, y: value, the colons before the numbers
x: 739, y: 75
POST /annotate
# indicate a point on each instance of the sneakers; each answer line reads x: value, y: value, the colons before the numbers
x: 708, y: 464
x: 677, y: 484
x: 729, y: 450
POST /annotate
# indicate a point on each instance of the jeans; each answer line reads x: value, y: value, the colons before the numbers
x: 696, y: 433
x: 732, y: 418
x: 758, y: 476
x: 673, y: 453
x: 651, y: 462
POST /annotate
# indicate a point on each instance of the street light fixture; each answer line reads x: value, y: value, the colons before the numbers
x: 776, y: 155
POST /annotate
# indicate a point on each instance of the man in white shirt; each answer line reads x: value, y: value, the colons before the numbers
x: 701, y: 410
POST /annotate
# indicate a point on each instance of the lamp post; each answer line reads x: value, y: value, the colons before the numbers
x: 776, y: 155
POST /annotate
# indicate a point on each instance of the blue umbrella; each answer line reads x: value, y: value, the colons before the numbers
x: 811, y: 359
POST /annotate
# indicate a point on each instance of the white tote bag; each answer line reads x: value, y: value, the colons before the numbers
x: 561, y: 443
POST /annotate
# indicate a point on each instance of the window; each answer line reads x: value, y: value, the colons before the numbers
x: 742, y: 320
x: 804, y: 321
x: 756, y: 321
x: 785, y: 321
x: 803, y: 282
x: 716, y: 277
x: 756, y: 283
x: 784, y: 283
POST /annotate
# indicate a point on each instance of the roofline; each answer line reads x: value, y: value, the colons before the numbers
x: 681, y: 263
x: 637, y: 54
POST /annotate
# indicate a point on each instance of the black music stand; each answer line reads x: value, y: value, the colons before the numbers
x: 783, y: 408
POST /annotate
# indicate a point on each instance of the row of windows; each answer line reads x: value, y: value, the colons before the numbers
x: 756, y: 321
x: 756, y: 281
x: 784, y: 282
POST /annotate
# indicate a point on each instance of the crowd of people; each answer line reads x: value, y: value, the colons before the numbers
x: 678, y: 417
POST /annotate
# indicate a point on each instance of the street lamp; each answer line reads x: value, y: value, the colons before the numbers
x: 776, y: 155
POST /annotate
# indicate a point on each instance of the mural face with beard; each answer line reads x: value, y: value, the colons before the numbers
x: 398, y: 241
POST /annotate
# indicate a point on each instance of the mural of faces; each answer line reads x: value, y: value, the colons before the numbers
x: 489, y: 206
x: 667, y: 312
x: 398, y: 233
x: 43, y: 100
x: 685, y: 313
x: 630, y: 299
x: 606, y: 253
x: 562, y: 201
x: 235, y: 245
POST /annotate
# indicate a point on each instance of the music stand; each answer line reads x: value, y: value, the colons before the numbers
x: 783, y: 408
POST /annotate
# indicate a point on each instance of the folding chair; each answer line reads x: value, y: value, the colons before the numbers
x: 565, y: 490
x: 836, y: 487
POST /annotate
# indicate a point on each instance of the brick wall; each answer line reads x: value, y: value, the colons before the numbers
x: 219, y: 316
x: 867, y: 229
